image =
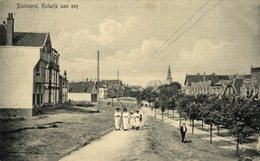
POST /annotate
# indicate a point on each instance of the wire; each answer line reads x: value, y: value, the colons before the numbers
x: 176, y: 32
x: 181, y: 34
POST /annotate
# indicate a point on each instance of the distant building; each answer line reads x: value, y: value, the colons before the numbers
x: 63, y: 93
x: 250, y: 87
x: 229, y: 85
x: 82, y: 91
x: 128, y: 92
x: 136, y: 90
x: 205, y: 84
x: 114, y: 87
x: 102, y: 90
x: 29, y: 71
x: 157, y: 83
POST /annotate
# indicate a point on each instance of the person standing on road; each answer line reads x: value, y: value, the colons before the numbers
x: 117, y: 116
x: 137, y: 120
x: 183, y: 130
x: 125, y: 116
x: 141, y: 114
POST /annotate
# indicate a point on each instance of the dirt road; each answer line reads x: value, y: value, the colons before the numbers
x: 117, y: 145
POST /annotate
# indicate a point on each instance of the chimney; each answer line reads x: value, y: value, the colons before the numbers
x: 65, y: 74
x: 10, y: 29
x: 87, y: 79
x: 204, y: 77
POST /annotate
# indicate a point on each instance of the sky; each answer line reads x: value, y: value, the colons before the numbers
x: 127, y: 33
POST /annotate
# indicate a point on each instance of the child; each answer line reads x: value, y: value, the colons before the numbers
x: 132, y: 120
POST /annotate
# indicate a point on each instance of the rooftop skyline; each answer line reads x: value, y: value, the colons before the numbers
x: 225, y: 41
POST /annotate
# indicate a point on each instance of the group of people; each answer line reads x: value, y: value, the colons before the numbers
x: 126, y: 120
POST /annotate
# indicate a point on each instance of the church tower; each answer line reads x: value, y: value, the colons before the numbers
x: 169, y: 76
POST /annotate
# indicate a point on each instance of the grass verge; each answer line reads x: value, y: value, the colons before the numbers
x: 164, y: 141
x: 39, y: 139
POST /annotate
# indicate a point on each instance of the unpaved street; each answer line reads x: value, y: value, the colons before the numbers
x: 117, y: 145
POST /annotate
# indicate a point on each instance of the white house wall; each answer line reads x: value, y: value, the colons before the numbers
x: 16, y: 82
x: 80, y: 97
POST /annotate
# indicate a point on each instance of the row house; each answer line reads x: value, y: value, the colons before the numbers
x: 205, y: 84
x: 251, y: 84
x: 29, y: 71
x: 229, y: 85
x: 114, y: 87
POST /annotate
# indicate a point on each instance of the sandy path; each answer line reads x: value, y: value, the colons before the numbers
x: 114, y: 146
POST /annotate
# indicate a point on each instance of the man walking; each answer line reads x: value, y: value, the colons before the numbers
x: 183, y: 130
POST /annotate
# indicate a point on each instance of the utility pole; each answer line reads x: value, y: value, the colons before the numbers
x: 117, y: 84
x: 97, y: 80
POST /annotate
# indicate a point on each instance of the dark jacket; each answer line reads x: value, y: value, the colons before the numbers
x: 183, y: 129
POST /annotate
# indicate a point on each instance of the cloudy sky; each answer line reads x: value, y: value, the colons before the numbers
x: 225, y: 41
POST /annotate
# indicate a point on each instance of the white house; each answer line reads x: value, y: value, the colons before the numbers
x: 82, y: 92
x: 29, y: 69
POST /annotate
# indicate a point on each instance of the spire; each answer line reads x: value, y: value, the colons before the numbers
x: 169, y: 71
x: 169, y: 76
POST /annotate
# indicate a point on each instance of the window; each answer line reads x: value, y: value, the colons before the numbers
x: 33, y: 99
x: 38, y: 71
x: 38, y: 98
x: 43, y: 71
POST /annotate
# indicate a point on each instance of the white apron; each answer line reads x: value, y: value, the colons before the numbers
x: 125, y: 119
x: 137, y: 119
x: 117, y: 117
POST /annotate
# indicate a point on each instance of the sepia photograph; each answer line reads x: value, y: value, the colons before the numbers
x: 129, y: 80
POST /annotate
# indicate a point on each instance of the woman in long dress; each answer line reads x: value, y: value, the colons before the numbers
x: 137, y: 120
x: 125, y: 119
x: 117, y: 116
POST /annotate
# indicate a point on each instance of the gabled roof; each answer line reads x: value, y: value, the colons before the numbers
x: 23, y: 38
x: 29, y: 39
x: 255, y: 69
x: 196, y: 78
x: 82, y: 87
x: 111, y: 83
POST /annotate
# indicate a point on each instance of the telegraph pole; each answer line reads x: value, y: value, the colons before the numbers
x: 118, y: 83
x: 97, y: 80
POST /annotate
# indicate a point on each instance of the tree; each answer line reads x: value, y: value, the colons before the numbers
x: 242, y: 119
x: 193, y: 113
x: 210, y: 112
x: 181, y: 106
x: 167, y: 96
x: 148, y: 94
x: 156, y: 106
